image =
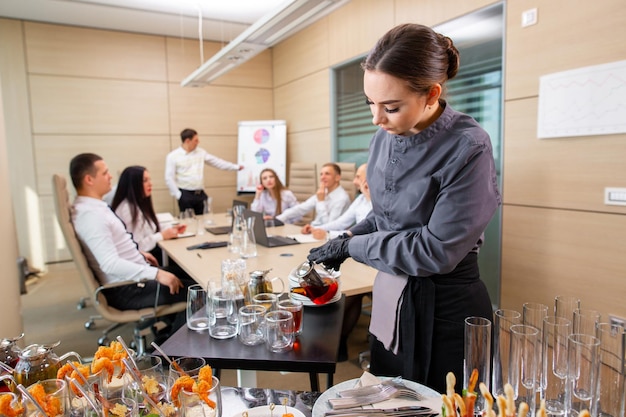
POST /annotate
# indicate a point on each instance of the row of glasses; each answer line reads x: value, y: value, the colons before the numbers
x: 568, y: 359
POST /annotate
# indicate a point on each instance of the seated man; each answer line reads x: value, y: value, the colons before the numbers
x: 329, y: 202
x: 355, y: 213
x: 110, y: 250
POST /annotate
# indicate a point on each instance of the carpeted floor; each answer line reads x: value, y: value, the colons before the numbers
x: 49, y: 314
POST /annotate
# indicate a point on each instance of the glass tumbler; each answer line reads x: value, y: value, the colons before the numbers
x: 524, y: 364
x: 197, y: 317
x: 583, y: 369
x: 503, y: 320
x: 477, y: 352
x: 556, y: 331
x: 612, y: 399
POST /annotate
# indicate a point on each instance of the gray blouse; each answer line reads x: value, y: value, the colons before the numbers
x: 433, y: 195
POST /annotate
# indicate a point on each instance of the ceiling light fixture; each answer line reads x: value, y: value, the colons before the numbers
x: 285, y: 20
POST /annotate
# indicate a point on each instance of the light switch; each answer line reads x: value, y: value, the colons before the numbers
x: 615, y: 196
x: 529, y: 17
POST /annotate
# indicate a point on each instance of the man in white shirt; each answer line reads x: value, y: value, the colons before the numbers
x: 184, y: 171
x: 329, y: 202
x: 357, y: 211
x: 110, y: 250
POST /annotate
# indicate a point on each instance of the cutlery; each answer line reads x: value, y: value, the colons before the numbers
x: 415, y: 410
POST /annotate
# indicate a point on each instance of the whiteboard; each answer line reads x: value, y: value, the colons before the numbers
x: 262, y: 144
x: 583, y: 102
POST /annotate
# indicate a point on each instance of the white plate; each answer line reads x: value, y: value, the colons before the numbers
x: 321, y: 405
x: 264, y: 411
x: 186, y: 234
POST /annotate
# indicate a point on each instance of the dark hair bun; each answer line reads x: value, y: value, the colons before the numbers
x: 453, y: 57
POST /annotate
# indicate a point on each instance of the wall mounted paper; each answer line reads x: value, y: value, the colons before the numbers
x: 262, y: 144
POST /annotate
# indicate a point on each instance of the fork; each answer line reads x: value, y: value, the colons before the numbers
x: 403, y: 390
x: 383, y: 394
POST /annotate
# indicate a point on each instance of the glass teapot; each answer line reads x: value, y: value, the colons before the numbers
x: 9, y: 351
x: 260, y: 283
x: 39, y: 362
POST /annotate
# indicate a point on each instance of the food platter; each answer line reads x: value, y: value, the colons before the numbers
x: 321, y: 406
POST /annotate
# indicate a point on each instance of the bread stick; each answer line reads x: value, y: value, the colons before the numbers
x: 522, y: 411
x: 448, y: 405
x: 458, y: 401
x: 510, y: 399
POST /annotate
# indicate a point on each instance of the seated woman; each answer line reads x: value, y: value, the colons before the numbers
x: 271, y: 196
x: 133, y: 204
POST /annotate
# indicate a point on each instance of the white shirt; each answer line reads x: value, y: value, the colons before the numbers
x: 335, y: 203
x: 186, y: 169
x: 111, y: 252
x: 143, y: 231
x: 356, y: 212
x: 266, y: 204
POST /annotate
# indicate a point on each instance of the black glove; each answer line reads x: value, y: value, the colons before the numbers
x: 332, y: 253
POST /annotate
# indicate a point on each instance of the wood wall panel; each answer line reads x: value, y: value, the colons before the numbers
x: 310, y: 146
x: 355, y: 28
x: 216, y: 110
x: 548, y: 252
x: 78, y: 105
x: 304, y: 103
x: 53, y: 155
x: 434, y: 12
x: 568, y: 173
x: 560, y: 41
x: 303, y: 54
x: 80, y: 52
x: 184, y: 58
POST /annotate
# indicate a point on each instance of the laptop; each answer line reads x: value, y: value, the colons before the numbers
x: 224, y: 230
x: 260, y: 233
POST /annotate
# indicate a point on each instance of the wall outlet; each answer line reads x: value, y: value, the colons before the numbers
x: 617, y: 321
x: 529, y: 17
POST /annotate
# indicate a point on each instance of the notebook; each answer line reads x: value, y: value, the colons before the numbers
x: 224, y: 230
x: 260, y: 233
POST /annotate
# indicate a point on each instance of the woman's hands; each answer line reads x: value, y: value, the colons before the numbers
x: 332, y: 253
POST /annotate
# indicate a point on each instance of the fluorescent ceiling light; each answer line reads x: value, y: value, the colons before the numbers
x: 287, y: 19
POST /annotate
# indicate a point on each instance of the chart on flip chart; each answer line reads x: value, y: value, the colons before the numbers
x: 262, y: 144
x: 583, y: 102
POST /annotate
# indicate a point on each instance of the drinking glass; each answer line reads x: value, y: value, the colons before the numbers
x: 234, y: 278
x: 57, y: 396
x: 197, y: 317
x: 564, y: 306
x: 207, y: 210
x: 222, y: 310
x: 279, y: 331
x: 295, y: 307
x: 188, y: 218
x: 503, y: 320
x: 123, y: 403
x: 556, y: 330
x: 583, y: 368
x: 585, y: 321
x: 248, y: 240
x: 612, y: 399
x: 477, y: 352
x: 533, y: 315
x: 188, y: 364
x: 194, y: 405
x: 267, y: 300
x: 251, y: 318
x: 524, y: 364
x: 152, y: 381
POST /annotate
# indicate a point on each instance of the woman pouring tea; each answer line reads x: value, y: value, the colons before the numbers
x: 433, y: 188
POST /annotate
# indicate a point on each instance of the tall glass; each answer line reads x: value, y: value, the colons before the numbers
x: 583, y: 369
x: 202, y: 404
x: 564, y: 306
x: 477, y: 352
x: 524, y: 364
x: 222, y: 310
x: 503, y: 320
x: 612, y: 399
x: 197, y: 318
x: 556, y: 330
x: 585, y: 321
x: 533, y: 315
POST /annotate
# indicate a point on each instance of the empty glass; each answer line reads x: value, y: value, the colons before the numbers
x: 533, y: 315
x: 585, y: 321
x: 248, y: 240
x: 503, y: 320
x: 188, y: 218
x: 477, y: 352
x: 583, y: 368
x: 612, y: 399
x: 222, y: 311
x: 197, y: 317
x: 556, y: 330
x: 564, y: 306
x: 524, y: 364
x: 188, y: 365
x: 279, y: 333
x: 267, y: 300
x: 251, y: 318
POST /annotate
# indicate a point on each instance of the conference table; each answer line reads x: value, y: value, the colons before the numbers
x: 315, y: 350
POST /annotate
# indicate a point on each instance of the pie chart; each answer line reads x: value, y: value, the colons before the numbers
x: 261, y: 136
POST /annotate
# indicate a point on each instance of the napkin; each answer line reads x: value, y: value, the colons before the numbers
x: 368, y: 379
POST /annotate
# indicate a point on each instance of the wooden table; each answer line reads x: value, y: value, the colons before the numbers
x: 204, y: 265
x: 316, y: 349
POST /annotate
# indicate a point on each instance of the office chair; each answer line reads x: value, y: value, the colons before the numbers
x: 303, y: 184
x: 348, y: 171
x: 143, y: 319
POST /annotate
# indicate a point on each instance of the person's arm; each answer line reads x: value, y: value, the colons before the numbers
x: 466, y: 202
x: 347, y: 219
x: 143, y: 234
x: 331, y: 208
x: 257, y: 203
x: 96, y: 233
x: 170, y: 176
x: 296, y: 212
x: 220, y: 163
